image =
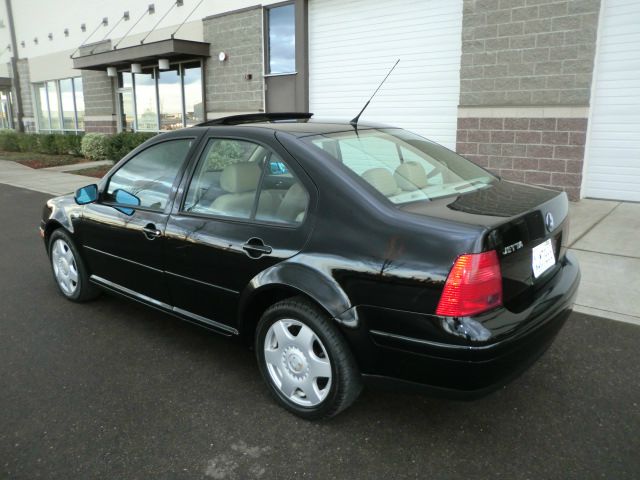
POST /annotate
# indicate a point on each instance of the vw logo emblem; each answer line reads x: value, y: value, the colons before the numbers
x: 548, y: 221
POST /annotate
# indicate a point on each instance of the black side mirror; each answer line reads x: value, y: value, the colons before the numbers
x: 88, y: 194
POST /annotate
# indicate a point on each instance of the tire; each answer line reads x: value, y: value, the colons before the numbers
x: 305, y: 361
x: 69, y: 271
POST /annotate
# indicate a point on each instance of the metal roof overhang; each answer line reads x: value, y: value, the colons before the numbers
x: 5, y: 82
x: 145, y: 54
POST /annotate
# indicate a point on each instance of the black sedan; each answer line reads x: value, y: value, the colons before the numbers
x: 343, y: 254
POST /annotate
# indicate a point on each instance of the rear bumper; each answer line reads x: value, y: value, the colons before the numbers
x: 406, y: 349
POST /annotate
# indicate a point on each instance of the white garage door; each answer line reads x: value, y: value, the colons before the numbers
x: 612, y: 168
x: 352, y: 45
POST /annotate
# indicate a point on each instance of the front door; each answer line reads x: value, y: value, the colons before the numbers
x: 122, y: 234
x: 243, y: 211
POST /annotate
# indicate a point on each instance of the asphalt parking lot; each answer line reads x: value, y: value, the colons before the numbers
x: 111, y: 389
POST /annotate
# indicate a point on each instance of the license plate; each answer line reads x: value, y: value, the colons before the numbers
x: 542, y: 258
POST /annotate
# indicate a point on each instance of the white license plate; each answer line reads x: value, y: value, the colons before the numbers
x: 542, y: 258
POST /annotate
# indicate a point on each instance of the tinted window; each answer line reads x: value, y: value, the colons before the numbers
x: 151, y: 173
x: 229, y: 176
x: 282, y: 39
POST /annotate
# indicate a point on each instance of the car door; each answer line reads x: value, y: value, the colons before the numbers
x: 243, y: 210
x: 122, y: 234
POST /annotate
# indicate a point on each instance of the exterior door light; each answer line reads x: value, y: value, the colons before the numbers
x: 136, y: 68
x: 163, y: 64
x: 112, y: 71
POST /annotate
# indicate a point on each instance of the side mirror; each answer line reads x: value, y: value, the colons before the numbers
x: 123, y: 197
x: 88, y: 194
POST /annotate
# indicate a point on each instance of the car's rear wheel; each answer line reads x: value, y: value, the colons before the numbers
x: 68, y: 268
x: 305, y: 361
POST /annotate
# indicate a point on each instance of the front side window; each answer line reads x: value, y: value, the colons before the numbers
x: 244, y: 180
x: 147, y: 178
x: 402, y: 166
x: 282, y: 39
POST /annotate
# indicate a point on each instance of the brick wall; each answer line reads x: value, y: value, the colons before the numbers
x: 239, y: 35
x: 540, y: 151
x: 527, y: 64
x: 99, y: 95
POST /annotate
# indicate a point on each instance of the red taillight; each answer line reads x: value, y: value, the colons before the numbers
x: 474, y: 285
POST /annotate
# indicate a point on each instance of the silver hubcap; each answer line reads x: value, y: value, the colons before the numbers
x: 297, y: 362
x: 64, y: 266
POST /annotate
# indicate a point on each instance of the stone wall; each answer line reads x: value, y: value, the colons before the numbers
x: 239, y: 35
x: 526, y: 74
x: 99, y: 95
x: 28, y: 114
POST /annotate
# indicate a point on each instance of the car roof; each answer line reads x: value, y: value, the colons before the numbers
x: 298, y: 124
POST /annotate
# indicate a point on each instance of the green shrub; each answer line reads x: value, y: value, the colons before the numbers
x: 69, y: 145
x: 122, y: 143
x: 28, y: 142
x: 47, y: 144
x: 95, y: 146
x: 9, y: 141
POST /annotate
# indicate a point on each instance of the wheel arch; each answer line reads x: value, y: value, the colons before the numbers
x: 287, y: 280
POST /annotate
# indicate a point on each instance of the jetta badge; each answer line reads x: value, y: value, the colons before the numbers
x: 548, y: 221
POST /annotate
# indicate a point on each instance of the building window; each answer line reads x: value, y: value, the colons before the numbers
x: 162, y: 99
x: 59, y: 105
x: 6, y: 114
x: 282, y: 39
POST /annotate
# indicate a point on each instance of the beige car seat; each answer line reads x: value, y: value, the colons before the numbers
x: 382, y: 180
x: 411, y: 176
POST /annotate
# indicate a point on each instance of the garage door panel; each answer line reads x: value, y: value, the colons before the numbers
x: 612, y: 167
x: 353, y: 44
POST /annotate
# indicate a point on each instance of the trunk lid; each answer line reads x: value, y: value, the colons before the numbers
x: 516, y: 218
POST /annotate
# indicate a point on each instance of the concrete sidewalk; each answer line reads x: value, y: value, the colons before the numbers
x: 42, y: 180
x: 603, y: 234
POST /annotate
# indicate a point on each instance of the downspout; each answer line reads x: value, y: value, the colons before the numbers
x: 14, y: 69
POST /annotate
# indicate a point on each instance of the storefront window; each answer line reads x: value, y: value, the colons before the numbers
x: 193, y: 102
x: 145, y: 98
x: 59, y: 105
x: 282, y: 39
x: 42, y: 108
x: 5, y: 114
x: 170, y: 99
x: 67, y: 101
x: 54, y: 109
x: 172, y: 102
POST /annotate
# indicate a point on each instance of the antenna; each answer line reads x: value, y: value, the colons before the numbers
x: 354, y: 122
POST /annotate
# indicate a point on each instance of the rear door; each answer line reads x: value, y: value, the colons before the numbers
x: 122, y: 234
x: 244, y: 209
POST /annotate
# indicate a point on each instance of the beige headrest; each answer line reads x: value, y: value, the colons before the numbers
x: 411, y: 176
x: 240, y: 177
x: 382, y: 180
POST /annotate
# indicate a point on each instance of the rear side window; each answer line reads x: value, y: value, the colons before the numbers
x: 245, y: 180
x: 149, y: 175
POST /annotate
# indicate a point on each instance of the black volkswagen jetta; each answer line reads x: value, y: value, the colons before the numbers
x: 342, y: 254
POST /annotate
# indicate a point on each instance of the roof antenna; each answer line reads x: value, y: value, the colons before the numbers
x: 354, y: 122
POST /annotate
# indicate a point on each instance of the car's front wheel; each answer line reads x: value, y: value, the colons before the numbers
x: 68, y: 268
x: 305, y: 361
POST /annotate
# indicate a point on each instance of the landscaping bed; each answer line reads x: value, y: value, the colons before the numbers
x: 97, y: 172
x: 41, y: 160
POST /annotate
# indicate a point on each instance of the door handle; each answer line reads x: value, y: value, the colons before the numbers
x: 151, y: 232
x: 256, y: 248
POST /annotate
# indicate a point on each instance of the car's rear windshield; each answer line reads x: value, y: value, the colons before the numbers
x: 403, y: 166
